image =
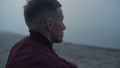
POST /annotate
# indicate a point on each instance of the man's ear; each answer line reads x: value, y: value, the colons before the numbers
x: 49, y: 24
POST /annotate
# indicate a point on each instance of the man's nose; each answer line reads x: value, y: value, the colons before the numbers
x: 64, y: 27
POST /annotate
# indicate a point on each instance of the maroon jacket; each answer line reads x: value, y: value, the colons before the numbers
x: 35, y: 51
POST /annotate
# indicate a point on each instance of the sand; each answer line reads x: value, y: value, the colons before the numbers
x: 85, y: 56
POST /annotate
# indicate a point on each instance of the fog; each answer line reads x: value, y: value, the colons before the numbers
x: 92, y: 22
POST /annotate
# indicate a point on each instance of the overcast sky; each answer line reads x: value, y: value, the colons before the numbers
x: 92, y: 22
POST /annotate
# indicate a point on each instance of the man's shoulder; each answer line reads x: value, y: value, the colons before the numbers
x: 29, y: 46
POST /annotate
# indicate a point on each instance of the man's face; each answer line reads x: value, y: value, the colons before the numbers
x: 58, y: 28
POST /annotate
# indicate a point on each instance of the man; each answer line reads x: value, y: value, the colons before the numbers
x: 44, y: 19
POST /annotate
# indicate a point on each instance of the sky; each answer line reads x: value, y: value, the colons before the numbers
x: 91, y: 22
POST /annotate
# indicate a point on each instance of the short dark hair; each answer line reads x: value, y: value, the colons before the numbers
x: 41, y: 7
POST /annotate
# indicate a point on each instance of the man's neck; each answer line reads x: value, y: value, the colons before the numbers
x: 41, y: 37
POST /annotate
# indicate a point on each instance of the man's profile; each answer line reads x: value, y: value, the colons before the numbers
x: 44, y: 19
